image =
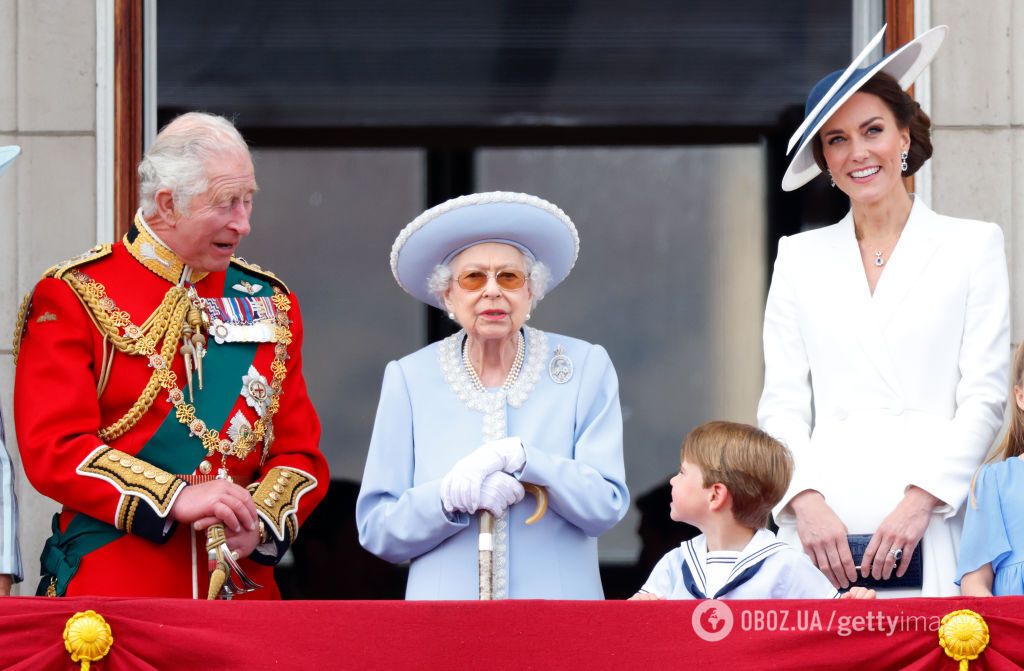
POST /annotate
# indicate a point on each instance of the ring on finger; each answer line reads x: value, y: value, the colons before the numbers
x: 897, y: 554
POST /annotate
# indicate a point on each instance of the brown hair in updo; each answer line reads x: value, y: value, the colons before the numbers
x: 908, y: 114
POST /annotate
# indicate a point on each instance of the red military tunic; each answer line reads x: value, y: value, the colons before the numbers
x: 109, y: 433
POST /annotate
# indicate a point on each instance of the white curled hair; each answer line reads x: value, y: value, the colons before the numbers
x: 177, y: 159
x: 537, y: 274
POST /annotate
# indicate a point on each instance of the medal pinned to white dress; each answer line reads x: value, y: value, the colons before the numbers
x: 560, y: 367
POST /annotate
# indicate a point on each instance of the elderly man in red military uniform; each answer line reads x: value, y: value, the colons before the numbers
x: 159, y: 393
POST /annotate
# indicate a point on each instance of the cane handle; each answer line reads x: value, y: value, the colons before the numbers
x: 541, y: 495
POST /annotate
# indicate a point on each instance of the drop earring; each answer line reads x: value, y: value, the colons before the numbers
x: 903, y: 158
x: 831, y: 180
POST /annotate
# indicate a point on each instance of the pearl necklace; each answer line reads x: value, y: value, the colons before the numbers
x: 513, y: 373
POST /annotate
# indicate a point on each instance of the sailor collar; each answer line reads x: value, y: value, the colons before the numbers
x: 762, y: 546
x: 148, y: 249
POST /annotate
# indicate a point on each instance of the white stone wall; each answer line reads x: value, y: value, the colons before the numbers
x: 48, y: 197
x: 977, y: 101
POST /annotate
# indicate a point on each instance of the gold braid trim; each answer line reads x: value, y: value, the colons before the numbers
x: 277, y: 498
x: 134, y: 478
x: 137, y: 340
x: 259, y: 272
x: 97, y: 252
x: 167, y: 322
x: 126, y: 513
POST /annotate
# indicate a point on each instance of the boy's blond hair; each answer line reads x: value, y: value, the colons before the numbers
x: 753, y: 466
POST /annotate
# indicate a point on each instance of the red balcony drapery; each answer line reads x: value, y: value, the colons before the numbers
x: 322, y: 635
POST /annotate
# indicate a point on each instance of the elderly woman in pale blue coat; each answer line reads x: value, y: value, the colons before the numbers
x: 463, y: 422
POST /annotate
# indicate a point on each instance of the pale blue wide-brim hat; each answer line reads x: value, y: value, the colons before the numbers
x: 7, y: 155
x: 536, y: 227
x: 829, y: 94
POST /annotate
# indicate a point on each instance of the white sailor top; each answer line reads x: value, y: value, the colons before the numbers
x: 764, y: 569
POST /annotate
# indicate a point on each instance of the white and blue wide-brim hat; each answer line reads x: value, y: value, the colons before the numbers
x: 7, y: 155
x: 828, y: 95
x: 533, y: 225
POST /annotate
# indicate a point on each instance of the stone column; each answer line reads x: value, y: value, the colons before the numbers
x: 977, y: 98
x: 48, y: 196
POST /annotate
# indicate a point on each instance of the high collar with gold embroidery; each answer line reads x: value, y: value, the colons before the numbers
x: 149, y: 250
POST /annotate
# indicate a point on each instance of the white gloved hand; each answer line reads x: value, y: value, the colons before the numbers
x: 511, y: 451
x: 460, y: 488
x: 499, y: 491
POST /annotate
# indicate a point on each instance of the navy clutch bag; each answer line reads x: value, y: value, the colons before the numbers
x: 910, y: 580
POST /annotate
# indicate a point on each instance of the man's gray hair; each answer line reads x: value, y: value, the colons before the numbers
x: 537, y: 274
x: 177, y: 159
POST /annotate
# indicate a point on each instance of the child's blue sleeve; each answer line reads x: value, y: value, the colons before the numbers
x: 984, y: 538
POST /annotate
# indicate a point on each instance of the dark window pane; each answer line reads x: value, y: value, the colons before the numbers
x: 503, y: 63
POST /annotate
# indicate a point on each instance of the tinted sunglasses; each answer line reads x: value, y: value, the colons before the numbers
x: 475, y: 280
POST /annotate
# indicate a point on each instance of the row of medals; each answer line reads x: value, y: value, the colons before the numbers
x: 255, y: 388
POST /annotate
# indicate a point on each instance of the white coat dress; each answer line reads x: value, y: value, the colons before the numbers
x: 876, y: 392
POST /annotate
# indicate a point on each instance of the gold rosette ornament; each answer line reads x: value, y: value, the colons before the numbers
x: 87, y: 637
x: 963, y: 634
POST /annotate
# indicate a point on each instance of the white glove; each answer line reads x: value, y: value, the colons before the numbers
x: 499, y: 491
x: 460, y: 488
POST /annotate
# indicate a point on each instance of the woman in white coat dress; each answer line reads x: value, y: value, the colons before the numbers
x: 462, y: 421
x: 886, y: 340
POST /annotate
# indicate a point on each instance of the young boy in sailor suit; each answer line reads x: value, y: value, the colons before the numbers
x: 730, y: 477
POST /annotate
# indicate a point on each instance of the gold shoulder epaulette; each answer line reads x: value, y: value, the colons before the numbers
x: 262, y: 272
x: 94, y: 254
x: 57, y: 271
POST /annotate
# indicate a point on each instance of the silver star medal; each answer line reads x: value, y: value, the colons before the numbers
x: 239, y: 427
x: 256, y: 391
x: 560, y: 367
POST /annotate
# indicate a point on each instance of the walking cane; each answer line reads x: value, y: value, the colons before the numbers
x: 486, y: 539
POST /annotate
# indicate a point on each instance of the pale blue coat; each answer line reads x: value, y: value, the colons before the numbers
x: 572, y: 434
